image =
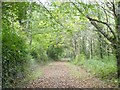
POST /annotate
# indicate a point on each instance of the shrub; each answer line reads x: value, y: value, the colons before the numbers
x: 54, y: 52
x: 105, y: 68
x: 38, y: 53
x: 79, y: 59
x: 14, y: 58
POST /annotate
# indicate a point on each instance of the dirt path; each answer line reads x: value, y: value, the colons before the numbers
x: 66, y: 75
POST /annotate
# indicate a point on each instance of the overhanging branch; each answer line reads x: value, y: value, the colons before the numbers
x: 50, y: 13
x: 101, y: 31
x: 77, y: 8
x: 93, y: 22
x: 105, y: 23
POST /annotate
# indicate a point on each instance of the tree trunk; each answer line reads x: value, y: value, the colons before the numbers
x: 117, y: 52
x: 118, y: 62
x: 118, y: 41
x: 100, y: 47
x: 91, y: 49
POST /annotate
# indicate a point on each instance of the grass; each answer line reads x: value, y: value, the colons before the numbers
x: 77, y: 72
x: 105, y: 69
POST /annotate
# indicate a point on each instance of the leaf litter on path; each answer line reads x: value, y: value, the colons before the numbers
x: 66, y: 75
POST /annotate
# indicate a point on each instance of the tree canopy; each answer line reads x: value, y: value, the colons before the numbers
x: 41, y: 32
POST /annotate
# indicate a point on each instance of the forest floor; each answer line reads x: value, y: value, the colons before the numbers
x: 66, y: 75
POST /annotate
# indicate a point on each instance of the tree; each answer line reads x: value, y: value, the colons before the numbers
x: 14, y: 50
x: 115, y: 38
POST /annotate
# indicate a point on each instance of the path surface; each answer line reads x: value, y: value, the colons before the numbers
x: 66, y: 75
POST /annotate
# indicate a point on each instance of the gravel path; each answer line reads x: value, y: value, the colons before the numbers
x: 66, y: 75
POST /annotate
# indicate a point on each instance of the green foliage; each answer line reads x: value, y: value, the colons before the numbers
x: 79, y: 58
x: 14, y: 48
x: 48, y: 31
x: 38, y: 53
x: 14, y: 58
x: 54, y: 52
x: 16, y: 10
x: 105, y: 68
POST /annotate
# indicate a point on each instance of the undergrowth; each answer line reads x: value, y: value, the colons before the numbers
x: 105, y: 68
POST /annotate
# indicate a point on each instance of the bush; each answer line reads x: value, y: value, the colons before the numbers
x: 54, y: 52
x: 79, y: 58
x: 38, y: 53
x: 105, y: 68
x: 14, y: 58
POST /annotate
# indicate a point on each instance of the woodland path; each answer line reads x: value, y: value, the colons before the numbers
x: 66, y: 75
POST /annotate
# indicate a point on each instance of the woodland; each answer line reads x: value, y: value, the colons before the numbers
x: 85, y: 33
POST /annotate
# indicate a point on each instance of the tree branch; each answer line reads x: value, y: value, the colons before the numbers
x: 102, y: 32
x: 77, y: 8
x: 107, y: 11
x: 105, y: 23
x: 96, y: 26
x: 113, y: 5
x: 50, y: 13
